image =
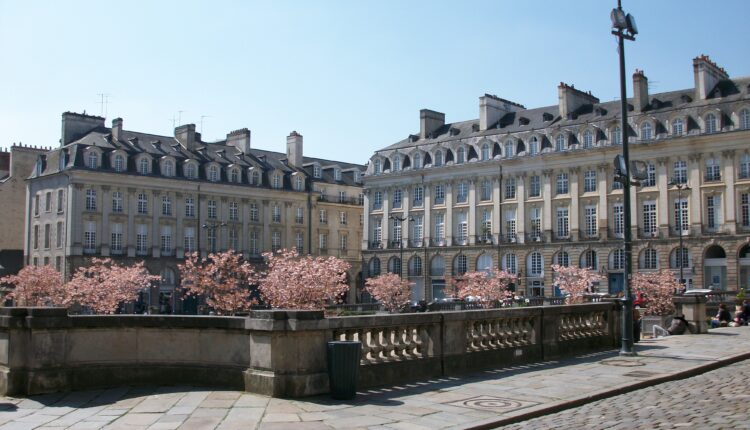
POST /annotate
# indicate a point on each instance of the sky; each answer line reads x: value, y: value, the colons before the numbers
x: 350, y: 76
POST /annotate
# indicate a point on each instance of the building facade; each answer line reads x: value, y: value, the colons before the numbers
x: 521, y: 189
x: 109, y: 192
x: 16, y: 164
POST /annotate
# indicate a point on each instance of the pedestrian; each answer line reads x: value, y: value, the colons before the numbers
x: 746, y: 311
x: 636, y: 325
x: 722, y: 318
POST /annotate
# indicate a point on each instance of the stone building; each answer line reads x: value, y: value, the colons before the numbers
x: 16, y: 164
x: 110, y: 192
x: 522, y: 189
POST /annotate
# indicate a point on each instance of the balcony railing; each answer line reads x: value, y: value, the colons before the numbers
x: 534, y: 237
x: 394, y: 244
x: 648, y: 234
x: 416, y: 243
x: 375, y: 245
x: 589, y: 234
x: 509, y: 238
x: 485, y: 239
x: 440, y: 241
x: 461, y: 241
x: 556, y: 237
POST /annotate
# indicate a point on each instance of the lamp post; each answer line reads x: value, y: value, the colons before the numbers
x: 400, y: 241
x: 211, y: 226
x: 680, y: 186
x: 623, y: 26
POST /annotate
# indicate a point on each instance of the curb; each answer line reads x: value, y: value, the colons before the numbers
x: 559, y: 407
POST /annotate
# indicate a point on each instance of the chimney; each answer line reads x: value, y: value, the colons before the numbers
x: 571, y: 99
x: 294, y: 149
x: 640, y: 91
x: 240, y: 139
x: 76, y: 125
x: 492, y: 108
x: 707, y: 74
x: 116, y: 129
x: 429, y: 122
x: 185, y: 134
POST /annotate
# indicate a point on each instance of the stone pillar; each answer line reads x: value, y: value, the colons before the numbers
x: 427, y: 222
x: 130, y: 233
x: 662, y: 205
x: 521, y: 210
x: 155, y: 231
x: 602, y: 212
x: 365, y: 221
x: 472, y: 220
x: 266, y: 218
x: 694, y: 202
x: 106, y: 237
x: 547, y: 208
x: 448, y: 215
x: 406, y: 224
x: 179, y: 232
x: 693, y: 307
x: 729, y: 222
x: 245, y: 216
x: 575, y: 220
x: 496, y: 211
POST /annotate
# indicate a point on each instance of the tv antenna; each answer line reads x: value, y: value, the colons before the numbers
x: 203, y: 116
x: 103, y: 102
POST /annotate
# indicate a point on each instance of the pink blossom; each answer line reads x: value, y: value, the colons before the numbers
x: 574, y: 281
x: 658, y: 288
x: 36, y: 286
x: 488, y: 286
x: 390, y: 290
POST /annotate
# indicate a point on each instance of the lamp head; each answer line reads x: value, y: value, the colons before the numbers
x: 619, y: 21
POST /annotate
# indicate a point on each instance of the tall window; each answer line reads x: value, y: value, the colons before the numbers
x: 617, y: 136
x: 377, y: 166
x: 93, y: 160
x: 60, y: 202
x: 510, y: 188
x: 90, y: 199
x: 646, y: 131
x: 677, y: 127
x: 276, y: 213
x: 342, y: 196
x: 680, y: 258
x: 141, y: 239
x: 255, y: 178
x: 679, y: 172
x: 535, y: 264
x: 213, y: 173
x: 563, y: 223
x: 649, y: 217
x: 89, y: 237
x: 318, y: 173
x: 510, y: 224
x: 275, y: 241
x: 397, y: 198
x: 234, y: 239
x: 485, y: 151
x: 254, y: 246
x: 299, y: 184
x: 212, y: 209
x: 116, y: 201
x: 460, y: 155
x: 619, y: 219
x: 535, y: 216
x: 168, y: 168
x: 323, y: 241
x: 115, y: 245
x: 618, y: 259
x: 299, y: 216
x: 562, y: 183
x: 189, y: 239
x: 189, y: 207
x: 48, y: 202
x: 462, y: 228
x: 166, y: 206
x: 439, y: 194
x: 588, y: 139
x: 143, y: 166
x: 485, y: 193
x: 589, y: 259
x: 745, y: 209
x: 234, y: 176
x: 36, y: 204
x: 342, y: 218
x: 190, y: 171
x: 119, y: 163
x: 650, y: 259
x: 461, y: 266
x: 417, y: 162
x: 462, y: 192
x: 60, y: 232
x: 745, y: 119
x: 439, y: 226
x: 323, y: 216
x: 713, y: 170
x: 591, y: 221
x: 535, y: 186
x: 299, y: 242
x: 650, y: 176
x: 277, y: 181
x: 681, y: 220
x: 712, y: 212
x: 417, y: 228
x: 377, y: 230
x: 254, y: 212
x: 533, y: 146
x: 142, y: 203
x: 377, y: 200
x: 36, y: 237
x: 234, y: 212
x: 166, y: 240
x: 418, y: 196
x: 710, y: 120
x: 438, y: 158
x: 211, y: 239
x: 510, y: 263
x: 589, y: 181
x: 509, y: 149
x: 744, y: 171
x: 486, y: 225
x: 560, y: 142
x: 562, y: 258
x: 396, y: 230
x: 47, y: 235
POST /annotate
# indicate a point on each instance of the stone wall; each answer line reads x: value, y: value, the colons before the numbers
x: 283, y: 353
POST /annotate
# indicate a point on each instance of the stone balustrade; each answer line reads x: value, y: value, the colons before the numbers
x: 283, y: 352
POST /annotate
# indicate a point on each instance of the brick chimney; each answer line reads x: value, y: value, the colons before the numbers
x: 116, y: 129
x: 571, y: 99
x: 707, y: 74
x: 640, y: 91
x: 294, y: 149
x: 76, y: 125
x: 240, y: 139
x: 185, y: 134
x: 492, y: 108
x: 429, y: 122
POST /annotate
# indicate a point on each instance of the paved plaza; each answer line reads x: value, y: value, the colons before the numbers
x: 480, y: 400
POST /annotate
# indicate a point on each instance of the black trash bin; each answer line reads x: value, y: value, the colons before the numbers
x: 343, y: 368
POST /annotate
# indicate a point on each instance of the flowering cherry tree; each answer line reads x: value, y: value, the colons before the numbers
x: 658, y: 288
x: 104, y: 284
x: 302, y: 282
x: 574, y: 281
x: 36, y: 286
x: 223, y: 279
x: 487, y: 285
x: 390, y: 290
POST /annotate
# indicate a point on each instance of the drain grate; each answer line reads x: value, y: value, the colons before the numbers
x: 492, y: 403
x: 640, y: 374
x: 623, y: 363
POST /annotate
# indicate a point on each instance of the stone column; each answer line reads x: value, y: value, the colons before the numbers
x: 521, y: 211
x: 365, y: 220
x: 496, y: 211
x: 472, y: 211
x: 427, y: 222
x: 575, y: 219
x: 386, y: 223
x: 695, y: 203
x: 662, y: 204
x: 106, y: 237
x: 288, y: 220
x: 266, y: 214
x: 179, y: 232
x: 601, y: 188
x: 547, y: 208
x: 155, y: 232
x: 245, y: 214
x: 131, y: 206
x: 448, y: 215
x: 405, y: 227
x: 729, y: 222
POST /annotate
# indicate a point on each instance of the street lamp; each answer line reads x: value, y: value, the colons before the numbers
x: 211, y: 227
x: 623, y: 26
x: 401, y: 241
x: 680, y: 186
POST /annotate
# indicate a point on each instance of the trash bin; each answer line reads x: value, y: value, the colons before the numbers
x: 343, y: 368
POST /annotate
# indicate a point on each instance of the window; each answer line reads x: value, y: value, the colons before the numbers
x: 119, y: 163
x: 299, y: 183
x: 89, y: 238
x: 168, y: 168
x: 255, y: 178
x: 234, y: 239
x: 589, y: 259
x: 59, y: 231
x: 651, y: 176
x: 745, y: 119
x: 536, y: 264
x: 36, y: 205
x: 166, y: 240
x: 462, y: 192
x: 560, y: 142
x: 534, y: 146
x: 211, y: 239
x: 189, y: 207
x: 299, y: 242
x: 618, y: 259
x: 713, y: 170
x: 710, y: 126
x: 617, y: 136
x: 417, y: 227
x: 712, y: 212
x: 744, y: 171
x: 336, y: 174
x: 396, y: 163
x: 92, y: 162
x: 166, y: 206
x: 439, y: 226
x: 618, y: 221
x: 417, y: 161
x: 649, y: 217
x: 509, y: 148
x: 460, y: 265
x: 90, y: 199
x: 36, y: 237
x: 588, y: 139
x: 646, y: 131
x: 143, y: 166
x: 342, y: 218
x: 397, y: 198
x: 357, y: 176
x: 117, y: 201
x: 510, y: 188
x: 486, y: 226
x: 299, y: 217
x: 275, y: 241
x: 589, y: 181
x: 213, y: 173
x: 377, y: 230
x: 418, y: 196
x: 234, y: 176
x: 510, y: 263
x: 212, y: 209
x: 462, y: 228
x: 377, y: 167
x: 562, y: 258
x: 485, y: 151
x: 342, y: 196
x: 439, y: 194
x: 535, y: 218
x: 276, y: 213
x: 591, y: 221
x: 142, y: 203
x: 323, y: 216
x: 317, y: 172
x: 680, y: 258
x: 535, y: 186
x: 48, y: 202
x: 485, y: 191
x: 190, y: 171
x: 141, y: 239
x: 58, y: 263
x: 115, y: 245
x: 438, y: 158
x: 323, y: 241
x: 47, y: 235
x: 681, y: 220
x: 254, y: 248
x: 677, y: 127
x: 510, y: 225
x: 460, y: 155
x: 60, y: 202
x: 189, y: 239
x: 680, y: 172
x: 562, y: 183
x: 563, y: 223
x: 415, y: 266
x: 377, y: 200
x: 234, y: 212
x: 745, y: 209
x: 396, y: 230
x: 254, y: 212
x: 650, y: 259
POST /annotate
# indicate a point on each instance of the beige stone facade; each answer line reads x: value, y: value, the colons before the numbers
x: 521, y: 189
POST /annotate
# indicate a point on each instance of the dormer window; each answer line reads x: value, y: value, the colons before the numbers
x: 534, y: 146
x: 377, y: 166
x: 710, y: 123
x: 299, y: 184
x: 235, y: 176
x: 92, y: 162
x: 438, y: 158
x: 277, y: 180
x: 336, y: 174
x: 213, y: 173
x: 357, y: 176
x: 646, y: 131
x: 396, y: 163
x: 190, y: 171
x: 168, y: 168
x: 617, y: 136
x: 560, y: 142
x: 143, y: 166
x: 119, y: 163
x: 588, y: 139
x: 745, y: 119
x: 417, y: 160
x: 317, y: 173
x: 677, y: 127
x: 509, y: 145
x: 460, y: 155
x: 485, y: 151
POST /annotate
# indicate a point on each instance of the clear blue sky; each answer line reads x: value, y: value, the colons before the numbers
x: 350, y: 76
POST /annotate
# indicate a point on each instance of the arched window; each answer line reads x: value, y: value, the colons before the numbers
x: 535, y: 264
x: 510, y: 263
x: 213, y: 173
x: 509, y: 148
x: 415, y: 266
x: 745, y: 119
x: 119, y: 163
x: 617, y: 136
x: 460, y: 265
x: 589, y: 259
x: 680, y: 257
x: 438, y: 158
x: 374, y: 266
x: 299, y: 183
x: 484, y: 263
x: 437, y: 266
x: 168, y: 168
x: 93, y: 160
x: 167, y: 278
x: 190, y: 171
x: 588, y: 139
x: 617, y: 259
x: 394, y: 265
x: 649, y: 259
x: 678, y: 127
x: 460, y: 155
x: 560, y: 142
x: 646, y: 130
x: 485, y: 151
x: 417, y: 160
x: 561, y: 258
x: 710, y: 126
x: 143, y: 166
x: 534, y: 146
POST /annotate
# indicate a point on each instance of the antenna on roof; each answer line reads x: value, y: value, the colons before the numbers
x: 179, y: 116
x: 103, y: 102
x: 174, y: 121
x: 203, y: 116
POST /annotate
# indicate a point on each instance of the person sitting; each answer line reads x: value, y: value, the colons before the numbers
x: 746, y: 311
x: 722, y: 318
x: 738, y: 320
x: 679, y: 325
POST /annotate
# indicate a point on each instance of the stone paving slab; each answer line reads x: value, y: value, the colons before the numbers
x: 480, y: 400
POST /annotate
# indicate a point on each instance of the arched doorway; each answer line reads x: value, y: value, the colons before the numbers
x: 166, y: 291
x: 715, y: 268
x: 743, y: 259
